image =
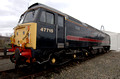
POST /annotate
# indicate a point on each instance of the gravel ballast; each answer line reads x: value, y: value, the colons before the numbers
x: 105, y: 66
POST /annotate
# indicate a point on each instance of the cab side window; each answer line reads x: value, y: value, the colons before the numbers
x: 60, y: 21
x: 43, y: 17
x: 47, y: 17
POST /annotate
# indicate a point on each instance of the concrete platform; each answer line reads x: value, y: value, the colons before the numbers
x: 6, y: 64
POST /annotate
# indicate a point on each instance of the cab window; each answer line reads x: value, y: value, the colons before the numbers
x: 60, y: 21
x: 42, y: 18
x: 28, y: 16
x: 47, y: 17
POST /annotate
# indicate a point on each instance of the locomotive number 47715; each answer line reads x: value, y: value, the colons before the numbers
x: 46, y: 30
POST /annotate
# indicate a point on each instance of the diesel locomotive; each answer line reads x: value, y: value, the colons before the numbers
x: 46, y: 35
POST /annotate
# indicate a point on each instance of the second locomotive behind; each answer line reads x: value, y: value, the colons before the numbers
x: 45, y: 35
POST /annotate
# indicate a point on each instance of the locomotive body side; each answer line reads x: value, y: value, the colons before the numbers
x: 83, y: 35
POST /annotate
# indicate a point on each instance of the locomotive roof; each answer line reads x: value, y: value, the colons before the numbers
x: 38, y: 5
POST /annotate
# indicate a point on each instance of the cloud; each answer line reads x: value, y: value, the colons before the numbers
x: 10, y: 11
x: 57, y: 4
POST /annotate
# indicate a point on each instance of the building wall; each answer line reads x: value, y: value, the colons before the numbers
x: 4, y: 41
x: 118, y: 41
x: 115, y: 40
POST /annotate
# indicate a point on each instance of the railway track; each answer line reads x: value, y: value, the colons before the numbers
x: 4, y: 57
x: 31, y: 73
x: 1, y: 50
x: 7, y: 71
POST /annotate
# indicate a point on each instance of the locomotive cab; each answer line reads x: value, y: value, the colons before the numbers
x: 25, y: 31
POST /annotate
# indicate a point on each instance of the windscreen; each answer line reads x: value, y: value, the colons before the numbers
x: 28, y: 16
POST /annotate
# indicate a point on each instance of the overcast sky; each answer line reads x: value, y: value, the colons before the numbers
x: 92, y: 12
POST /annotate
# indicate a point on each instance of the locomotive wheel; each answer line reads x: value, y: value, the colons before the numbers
x: 16, y: 66
x: 85, y: 53
x: 103, y: 50
x: 93, y: 52
x: 12, y: 58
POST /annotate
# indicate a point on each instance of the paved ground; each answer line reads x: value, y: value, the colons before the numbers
x: 5, y: 64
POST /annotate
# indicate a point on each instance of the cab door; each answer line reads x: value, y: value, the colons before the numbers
x: 60, y: 32
x: 46, y: 30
